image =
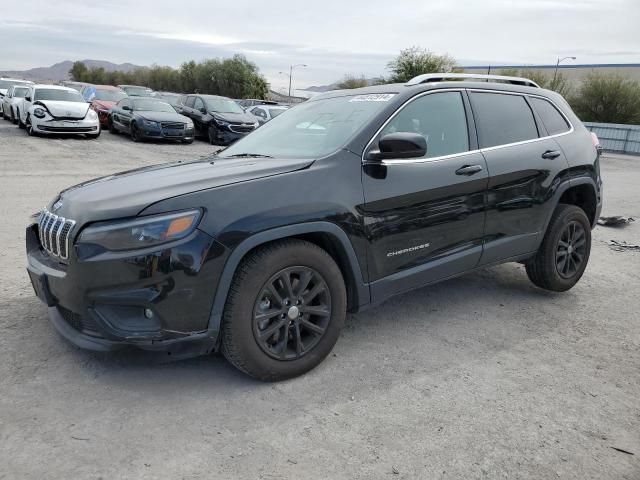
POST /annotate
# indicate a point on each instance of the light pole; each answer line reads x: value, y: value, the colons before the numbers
x: 291, y: 75
x: 555, y: 74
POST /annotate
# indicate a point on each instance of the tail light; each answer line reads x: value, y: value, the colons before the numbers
x: 596, y: 141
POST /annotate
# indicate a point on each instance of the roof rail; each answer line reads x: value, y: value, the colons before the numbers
x: 439, y: 77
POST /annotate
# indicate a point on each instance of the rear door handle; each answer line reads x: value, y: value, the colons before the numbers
x: 551, y: 154
x: 469, y: 170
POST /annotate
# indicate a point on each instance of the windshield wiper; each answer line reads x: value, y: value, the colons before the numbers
x: 249, y: 155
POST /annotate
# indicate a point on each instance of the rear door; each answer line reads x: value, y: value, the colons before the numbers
x: 425, y: 217
x: 524, y: 163
x: 197, y: 115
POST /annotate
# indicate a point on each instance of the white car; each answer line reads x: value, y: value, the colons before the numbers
x: 49, y: 109
x: 10, y: 101
x: 5, y: 84
x: 266, y: 112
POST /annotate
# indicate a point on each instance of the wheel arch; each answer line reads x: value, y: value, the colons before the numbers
x: 581, y: 192
x: 326, y: 235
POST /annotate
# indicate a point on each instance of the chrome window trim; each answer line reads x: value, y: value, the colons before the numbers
x: 411, y: 161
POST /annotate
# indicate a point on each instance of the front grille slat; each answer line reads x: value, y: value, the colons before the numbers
x: 54, y: 234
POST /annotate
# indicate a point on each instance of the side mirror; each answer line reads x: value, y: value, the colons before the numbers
x: 125, y: 107
x: 399, y: 145
x: 27, y: 98
x: 203, y: 110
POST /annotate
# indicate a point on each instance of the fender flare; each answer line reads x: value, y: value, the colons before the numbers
x: 563, y: 187
x: 361, y: 288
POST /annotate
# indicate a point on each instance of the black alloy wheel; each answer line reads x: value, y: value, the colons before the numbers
x: 135, y: 133
x: 571, y: 250
x: 212, y: 134
x: 291, y: 313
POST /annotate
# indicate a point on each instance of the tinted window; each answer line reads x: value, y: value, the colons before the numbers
x: 259, y: 112
x: 440, y: 118
x: 276, y: 111
x: 223, y: 105
x: 124, y: 103
x: 190, y: 101
x: 502, y: 119
x: 19, y: 91
x: 552, y: 119
x: 150, y: 105
x: 109, y: 95
x: 198, y: 104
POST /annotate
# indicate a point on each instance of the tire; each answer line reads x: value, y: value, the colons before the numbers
x: 212, y: 133
x: 248, y: 296
x: 568, y: 238
x: 112, y: 127
x: 30, y: 131
x: 135, y: 133
x: 13, y: 118
x: 20, y: 124
x: 95, y: 136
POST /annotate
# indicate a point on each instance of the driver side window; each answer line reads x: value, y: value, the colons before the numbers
x: 440, y: 118
x: 199, y: 104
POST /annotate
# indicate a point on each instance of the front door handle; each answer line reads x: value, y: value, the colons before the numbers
x: 469, y: 170
x: 551, y: 154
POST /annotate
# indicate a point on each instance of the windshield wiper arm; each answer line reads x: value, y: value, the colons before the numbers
x: 249, y: 155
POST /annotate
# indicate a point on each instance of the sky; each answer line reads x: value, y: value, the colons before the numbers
x: 333, y: 38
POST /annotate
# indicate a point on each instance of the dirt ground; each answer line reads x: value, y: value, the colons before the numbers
x: 483, y: 376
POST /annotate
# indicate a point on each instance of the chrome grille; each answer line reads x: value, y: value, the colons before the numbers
x: 242, y: 128
x: 54, y: 233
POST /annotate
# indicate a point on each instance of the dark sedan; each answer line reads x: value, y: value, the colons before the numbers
x: 219, y: 119
x: 146, y: 118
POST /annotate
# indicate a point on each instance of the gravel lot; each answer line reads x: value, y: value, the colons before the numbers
x: 483, y: 376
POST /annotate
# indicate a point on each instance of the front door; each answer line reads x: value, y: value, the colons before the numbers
x: 425, y: 217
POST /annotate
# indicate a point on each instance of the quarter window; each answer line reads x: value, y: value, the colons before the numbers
x: 552, y: 119
x: 502, y: 119
x: 440, y: 118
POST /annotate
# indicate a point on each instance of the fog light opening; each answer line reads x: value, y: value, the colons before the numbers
x: 148, y: 313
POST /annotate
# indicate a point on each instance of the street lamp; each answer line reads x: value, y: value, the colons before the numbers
x: 291, y: 75
x: 555, y: 74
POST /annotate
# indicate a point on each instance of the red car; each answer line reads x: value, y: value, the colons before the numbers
x: 102, y: 98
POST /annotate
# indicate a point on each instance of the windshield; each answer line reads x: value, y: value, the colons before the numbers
x: 312, y: 129
x: 276, y: 111
x: 20, y: 92
x: 5, y: 84
x: 57, y: 95
x: 138, y: 91
x: 152, y: 106
x: 170, y: 99
x: 223, y: 105
x: 109, y: 95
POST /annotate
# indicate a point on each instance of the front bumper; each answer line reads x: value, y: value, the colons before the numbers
x: 159, y: 132
x: 101, y: 302
x: 225, y: 136
x: 52, y: 126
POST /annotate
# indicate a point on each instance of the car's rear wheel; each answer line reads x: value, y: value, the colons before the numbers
x: 285, y: 309
x: 13, y: 117
x: 564, y: 253
x: 135, y: 133
x: 212, y: 134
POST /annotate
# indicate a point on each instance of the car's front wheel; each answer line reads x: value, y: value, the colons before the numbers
x: 135, y: 133
x: 212, y: 134
x: 29, y: 126
x: 564, y: 253
x: 20, y: 124
x: 284, y: 312
x: 112, y: 127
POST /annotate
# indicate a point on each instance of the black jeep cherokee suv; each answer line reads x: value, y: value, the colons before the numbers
x: 334, y: 206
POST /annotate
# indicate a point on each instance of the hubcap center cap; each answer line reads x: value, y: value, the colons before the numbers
x: 293, y: 312
x: 570, y: 249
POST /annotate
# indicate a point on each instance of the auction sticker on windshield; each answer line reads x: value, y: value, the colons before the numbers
x: 373, y: 97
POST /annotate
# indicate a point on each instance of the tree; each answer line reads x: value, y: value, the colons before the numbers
x: 415, y: 61
x: 608, y: 98
x: 351, y: 81
x: 78, y: 71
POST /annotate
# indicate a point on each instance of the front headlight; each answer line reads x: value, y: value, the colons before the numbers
x: 92, y: 115
x: 221, y: 123
x: 149, y: 123
x: 39, y: 112
x: 142, y: 232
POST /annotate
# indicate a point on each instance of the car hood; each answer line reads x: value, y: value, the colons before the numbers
x: 64, y: 109
x: 126, y: 194
x: 162, y: 116
x: 103, y: 104
x: 235, y: 117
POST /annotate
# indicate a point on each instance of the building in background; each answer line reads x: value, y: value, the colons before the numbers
x: 573, y: 73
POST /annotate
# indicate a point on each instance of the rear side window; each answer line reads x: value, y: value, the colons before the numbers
x: 440, y: 118
x: 502, y: 119
x: 552, y: 119
x: 190, y: 101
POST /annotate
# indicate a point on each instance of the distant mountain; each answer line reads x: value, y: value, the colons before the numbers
x: 60, y: 71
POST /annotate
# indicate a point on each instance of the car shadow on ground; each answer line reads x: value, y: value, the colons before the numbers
x: 137, y: 368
